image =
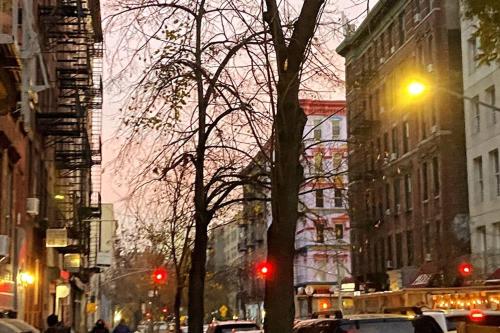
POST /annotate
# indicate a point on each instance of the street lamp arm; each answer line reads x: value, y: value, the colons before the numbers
x: 459, y: 95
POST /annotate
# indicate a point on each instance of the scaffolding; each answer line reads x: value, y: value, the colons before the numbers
x: 71, y: 29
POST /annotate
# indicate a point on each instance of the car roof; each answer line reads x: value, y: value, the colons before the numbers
x: 370, y: 316
x: 233, y: 322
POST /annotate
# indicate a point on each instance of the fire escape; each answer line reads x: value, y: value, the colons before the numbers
x: 74, y: 39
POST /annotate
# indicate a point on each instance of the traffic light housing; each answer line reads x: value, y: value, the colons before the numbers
x: 160, y: 275
x: 465, y: 269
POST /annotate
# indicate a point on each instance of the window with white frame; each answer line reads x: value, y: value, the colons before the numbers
x: 338, y: 198
x: 478, y: 179
x: 472, y: 53
x: 476, y: 114
x: 337, y: 161
x: 317, y: 130
x: 320, y: 199
x: 491, y: 100
x: 318, y: 164
x: 336, y: 126
x: 495, y: 173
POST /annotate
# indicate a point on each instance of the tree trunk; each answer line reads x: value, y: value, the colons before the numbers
x: 177, y: 306
x: 287, y: 175
x: 197, y: 275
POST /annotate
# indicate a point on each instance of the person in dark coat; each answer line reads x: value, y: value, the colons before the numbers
x: 55, y: 326
x: 100, y: 327
x: 121, y: 327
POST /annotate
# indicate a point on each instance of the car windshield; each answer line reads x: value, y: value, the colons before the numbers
x: 376, y: 327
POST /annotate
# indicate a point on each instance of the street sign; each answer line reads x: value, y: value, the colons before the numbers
x: 103, y: 259
x: 223, y: 311
x: 56, y: 237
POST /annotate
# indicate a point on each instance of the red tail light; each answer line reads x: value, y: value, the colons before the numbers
x: 476, y: 315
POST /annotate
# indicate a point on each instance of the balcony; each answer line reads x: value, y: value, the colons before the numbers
x: 361, y: 125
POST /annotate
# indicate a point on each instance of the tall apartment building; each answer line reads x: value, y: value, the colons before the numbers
x: 323, y: 231
x: 51, y: 93
x: 482, y: 128
x: 407, y: 166
x: 322, y: 241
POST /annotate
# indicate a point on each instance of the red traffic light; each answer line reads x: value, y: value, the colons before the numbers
x: 164, y: 310
x: 476, y: 315
x: 465, y: 269
x: 160, y: 275
x: 264, y: 270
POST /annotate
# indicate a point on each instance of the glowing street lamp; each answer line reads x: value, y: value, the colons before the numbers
x: 26, y: 278
x: 415, y: 88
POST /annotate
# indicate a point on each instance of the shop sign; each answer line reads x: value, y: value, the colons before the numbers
x: 57, y: 237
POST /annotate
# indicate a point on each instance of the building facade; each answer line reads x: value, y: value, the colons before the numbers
x: 51, y: 92
x: 322, y: 241
x: 482, y: 128
x: 407, y: 166
x: 323, y: 231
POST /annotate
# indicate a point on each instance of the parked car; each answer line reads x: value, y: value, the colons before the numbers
x: 10, y: 325
x: 475, y: 316
x: 232, y: 326
x: 371, y: 323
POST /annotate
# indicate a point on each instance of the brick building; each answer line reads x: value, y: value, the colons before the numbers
x: 51, y: 94
x: 407, y: 166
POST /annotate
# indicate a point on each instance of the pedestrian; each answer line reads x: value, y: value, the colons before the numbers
x: 121, y: 327
x: 55, y: 326
x: 100, y: 327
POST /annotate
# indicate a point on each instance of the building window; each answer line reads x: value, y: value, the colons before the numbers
x: 317, y: 130
x: 318, y: 164
x: 336, y: 128
x: 435, y: 176
x: 320, y: 232
x: 491, y: 100
x: 395, y: 146
x: 386, y: 144
x: 387, y: 196
x: 430, y: 50
x: 425, y: 184
x: 396, y: 190
x: 339, y: 231
x: 399, y: 251
x: 476, y: 114
x: 495, y: 173
x: 389, y: 253
x: 409, y: 247
x: 427, y: 239
x: 423, y: 125
x: 401, y: 30
x: 319, y: 198
x: 478, y: 179
x: 337, y: 161
x: 338, y: 198
x: 408, y: 193
x: 472, y: 52
x: 406, y: 137
x: 482, y: 246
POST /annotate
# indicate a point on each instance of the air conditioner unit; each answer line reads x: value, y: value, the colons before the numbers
x: 430, y: 68
x: 382, y: 60
x: 393, y: 49
x: 4, y: 247
x: 394, y: 156
x: 434, y: 129
x: 33, y: 206
x: 388, y: 264
x: 428, y: 257
x: 417, y: 18
x: 388, y: 211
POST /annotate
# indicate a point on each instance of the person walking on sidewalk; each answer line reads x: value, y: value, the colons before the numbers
x: 122, y: 328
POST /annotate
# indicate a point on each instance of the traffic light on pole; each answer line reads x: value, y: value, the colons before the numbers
x: 465, y: 269
x: 160, y: 275
x: 264, y: 270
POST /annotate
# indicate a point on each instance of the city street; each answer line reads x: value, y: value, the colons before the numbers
x: 293, y: 166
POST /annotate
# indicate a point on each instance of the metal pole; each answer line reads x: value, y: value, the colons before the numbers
x: 461, y: 96
x: 339, y: 281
